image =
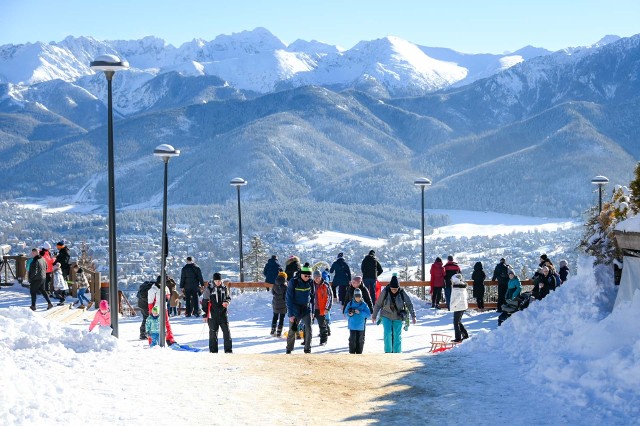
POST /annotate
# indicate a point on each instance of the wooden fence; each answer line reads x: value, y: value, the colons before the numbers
x: 419, y: 288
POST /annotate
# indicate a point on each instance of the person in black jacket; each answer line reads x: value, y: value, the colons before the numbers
x: 292, y: 267
x: 341, y: 276
x: 279, y: 303
x: 501, y: 273
x: 215, y: 301
x: 271, y: 270
x: 478, y: 276
x: 37, y: 276
x: 371, y: 269
x: 63, y: 258
x: 190, y: 282
x: 356, y: 282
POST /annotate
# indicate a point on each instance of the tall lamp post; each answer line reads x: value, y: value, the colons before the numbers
x: 110, y: 64
x: 600, y: 181
x: 165, y: 152
x: 238, y: 182
x: 422, y: 183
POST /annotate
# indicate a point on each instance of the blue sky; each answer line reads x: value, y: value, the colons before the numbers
x: 491, y: 26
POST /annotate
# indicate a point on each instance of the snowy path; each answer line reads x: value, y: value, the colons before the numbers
x: 539, y: 368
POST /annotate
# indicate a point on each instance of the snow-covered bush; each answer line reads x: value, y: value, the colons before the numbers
x: 598, y: 240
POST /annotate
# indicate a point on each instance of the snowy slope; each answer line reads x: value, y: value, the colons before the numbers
x: 565, y: 360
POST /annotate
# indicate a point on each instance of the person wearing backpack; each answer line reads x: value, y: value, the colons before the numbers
x: 393, y: 306
x: 300, y: 307
x: 501, y: 274
x: 143, y: 304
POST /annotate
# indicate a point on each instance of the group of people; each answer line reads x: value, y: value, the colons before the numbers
x: 48, y: 275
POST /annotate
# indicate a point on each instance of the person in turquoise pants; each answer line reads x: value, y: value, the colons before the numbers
x: 393, y: 305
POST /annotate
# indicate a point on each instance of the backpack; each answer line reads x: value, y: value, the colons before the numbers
x: 143, y: 293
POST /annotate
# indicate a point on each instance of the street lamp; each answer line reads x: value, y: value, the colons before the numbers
x: 422, y: 183
x: 238, y: 182
x: 110, y: 64
x: 600, y: 181
x: 165, y: 152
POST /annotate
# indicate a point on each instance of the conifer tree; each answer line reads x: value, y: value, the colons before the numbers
x: 256, y: 259
x: 634, y: 186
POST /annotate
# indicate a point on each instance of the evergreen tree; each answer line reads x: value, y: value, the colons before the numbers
x: 598, y: 239
x: 634, y: 186
x: 256, y: 259
x: 85, y: 261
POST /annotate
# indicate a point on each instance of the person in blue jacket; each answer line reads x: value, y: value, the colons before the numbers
x: 357, y: 314
x: 271, y: 270
x: 300, y: 307
x: 514, y: 287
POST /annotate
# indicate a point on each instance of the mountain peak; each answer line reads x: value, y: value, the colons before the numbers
x: 609, y: 38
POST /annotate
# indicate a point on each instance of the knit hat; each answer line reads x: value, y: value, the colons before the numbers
x: 357, y: 293
x: 46, y: 245
x: 372, y: 252
x: 283, y: 274
x: 155, y: 311
x: 104, y: 305
x: 305, y: 269
x: 317, y: 273
x: 274, y: 257
x: 544, y: 257
x: 510, y: 271
x: 217, y: 276
x: 340, y: 255
x: 60, y: 243
x: 394, y: 282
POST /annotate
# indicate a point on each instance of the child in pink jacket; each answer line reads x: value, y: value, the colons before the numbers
x: 102, y: 317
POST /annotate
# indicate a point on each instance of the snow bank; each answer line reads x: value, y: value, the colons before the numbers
x: 573, y: 346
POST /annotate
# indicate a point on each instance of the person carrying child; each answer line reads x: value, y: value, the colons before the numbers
x: 102, y: 318
x: 357, y: 314
x: 152, y: 327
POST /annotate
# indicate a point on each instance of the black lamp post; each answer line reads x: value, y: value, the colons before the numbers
x: 238, y: 182
x: 165, y: 152
x: 422, y: 183
x: 600, y: 181
x: 110, y: 64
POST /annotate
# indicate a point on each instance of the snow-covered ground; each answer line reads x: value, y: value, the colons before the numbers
x: 568, y: 359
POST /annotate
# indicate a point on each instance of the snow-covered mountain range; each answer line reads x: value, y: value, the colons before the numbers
x: 372, y: 117
x: 257, y: 61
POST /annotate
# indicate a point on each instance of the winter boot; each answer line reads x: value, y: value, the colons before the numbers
x: 49, y: 306
x: 273, y: 331
x: 90, y: 304
x: 279, y: 332
x: 32, y: 307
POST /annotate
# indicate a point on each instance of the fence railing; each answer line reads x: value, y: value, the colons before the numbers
x: 417, y: 287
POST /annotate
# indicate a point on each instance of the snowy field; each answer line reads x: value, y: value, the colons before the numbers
x: 566, y: 360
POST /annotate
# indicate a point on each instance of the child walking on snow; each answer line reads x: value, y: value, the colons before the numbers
x: 102, y: 318
x: 358, y: 312
x: 153, y: 327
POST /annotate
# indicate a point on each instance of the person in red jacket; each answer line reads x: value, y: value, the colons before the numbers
x: 450, y: 269
x: 437, y: 282
x: 45, y: 252
x: 323, y: 300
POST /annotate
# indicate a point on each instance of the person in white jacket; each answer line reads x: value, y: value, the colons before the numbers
x: 458, y: 306
x: 60, y: 286
x: 154, y: 299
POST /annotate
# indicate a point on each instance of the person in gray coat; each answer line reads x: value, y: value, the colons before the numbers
x: 37, y: 278
x: 394, y: 306
x: 279, y: 303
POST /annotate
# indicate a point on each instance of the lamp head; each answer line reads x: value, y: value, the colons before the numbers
x: 600, y: 180
x: 166, y: 151
x: 422, y: 182
x: 237, y: 182
x: 108, y: 63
